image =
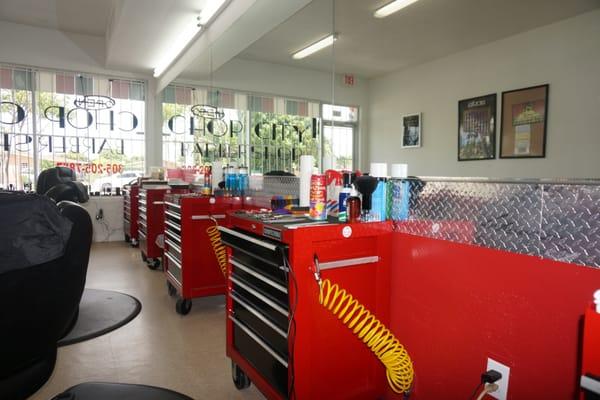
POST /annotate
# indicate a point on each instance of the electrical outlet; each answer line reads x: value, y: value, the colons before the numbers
x: 501, y: 393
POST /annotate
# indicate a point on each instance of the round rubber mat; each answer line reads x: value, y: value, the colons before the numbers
x: 100, y: 312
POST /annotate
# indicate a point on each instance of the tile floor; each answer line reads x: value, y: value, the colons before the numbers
x: 159, y: 347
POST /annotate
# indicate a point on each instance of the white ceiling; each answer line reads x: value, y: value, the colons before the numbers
x: 88, y: 17
x: 424, y: 31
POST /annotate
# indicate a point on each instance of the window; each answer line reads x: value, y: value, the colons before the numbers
x: 46, y: 122
x: 339, y: 132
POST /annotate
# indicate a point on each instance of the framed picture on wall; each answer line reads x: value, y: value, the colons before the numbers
x: 523, y: 123
x: 477, y: 128
x: 411, y: 132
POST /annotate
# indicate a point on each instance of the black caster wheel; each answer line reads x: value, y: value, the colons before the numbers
x: 154, y: 264
x: 144, y: 258
x: 172, y: 289
x: 240, y: 379
x: 134, y: 243
x: 183, y: 306
x: 127, y: 238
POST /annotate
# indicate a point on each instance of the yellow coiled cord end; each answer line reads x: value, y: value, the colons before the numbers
x: 220, y: 251
x: 372, y: 332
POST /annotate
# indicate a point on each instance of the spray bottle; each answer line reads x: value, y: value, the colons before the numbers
x: 344, y: 194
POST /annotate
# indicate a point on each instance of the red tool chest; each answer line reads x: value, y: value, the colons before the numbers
x: 273, y: 305
x: 151, y: 220
x: 130, y: 213
x: 190, y: 263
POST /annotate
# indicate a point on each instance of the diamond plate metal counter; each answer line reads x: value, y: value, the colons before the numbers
x: 558, y: 221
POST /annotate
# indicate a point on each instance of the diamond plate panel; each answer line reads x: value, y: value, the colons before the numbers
x: 555, y: 221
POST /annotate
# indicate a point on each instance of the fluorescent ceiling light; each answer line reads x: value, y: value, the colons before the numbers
x: 211, y: 8
x: 313, y: 48
x: 392, y: 7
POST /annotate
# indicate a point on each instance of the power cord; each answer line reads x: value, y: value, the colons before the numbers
x: 489, y: 388
x: 488, y: 379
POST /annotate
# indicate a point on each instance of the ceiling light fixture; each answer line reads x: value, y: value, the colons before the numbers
x: 392, y: 7
x: 185, y: 37
x: 313, y: 48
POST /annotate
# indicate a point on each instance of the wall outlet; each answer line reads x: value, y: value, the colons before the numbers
x: 501, y: 393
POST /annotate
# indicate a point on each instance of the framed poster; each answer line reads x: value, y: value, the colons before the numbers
x: 411, y: 132
x: 477, y: 128
x: 523, y: 123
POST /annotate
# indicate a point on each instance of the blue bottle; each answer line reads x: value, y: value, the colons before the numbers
x: 378, y: 201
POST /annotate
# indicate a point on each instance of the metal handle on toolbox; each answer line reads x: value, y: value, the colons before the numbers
x: 172, y: 214
x: 174, y: 236
x: 141, y: 233
x: 172, y: 204
x: 172, y: 225
x: 261, y: 277
x: 173, y: 245
x: 258, y: 314
x: 258, y: 340
x: 143, y: 209
x: 158, y: 202
x: 213, y: 216
x: 173, y: 260
x: 258, y: 295
x: 347, y: 262
x: 248, y: 238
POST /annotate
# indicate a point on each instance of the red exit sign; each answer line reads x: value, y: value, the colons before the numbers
x: 348, y: 79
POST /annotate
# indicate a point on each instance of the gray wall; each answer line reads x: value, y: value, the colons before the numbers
x: 565, y: 54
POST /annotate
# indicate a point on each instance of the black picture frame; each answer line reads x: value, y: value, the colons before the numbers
x: 472, y: 128
x: 504, y: 133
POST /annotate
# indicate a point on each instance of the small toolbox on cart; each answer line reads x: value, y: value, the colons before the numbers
x: 192, y: 246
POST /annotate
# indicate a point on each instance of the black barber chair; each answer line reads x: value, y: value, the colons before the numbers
x: 60, y: 183
x: 44, y: 253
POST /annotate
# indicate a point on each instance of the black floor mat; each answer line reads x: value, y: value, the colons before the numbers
x: 100, y: 312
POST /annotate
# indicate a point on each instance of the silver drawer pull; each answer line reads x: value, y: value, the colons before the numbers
x: 173, y: 260
x: 174, y: 236
x: 158, y: 203
x: 173, y: 225
x: 203, y: 217
x: 141, y: 234
x: 258, y: 315
x: 255, y: 274
x: 172, y: 204
x: 348, y: 262
x: 258, y: 340
x: 259, y: 295
x: 248, y: 238
x: 172, y: 214
x: 173, y: 245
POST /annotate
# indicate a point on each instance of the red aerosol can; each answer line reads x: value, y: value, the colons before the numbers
x: 318, y: 197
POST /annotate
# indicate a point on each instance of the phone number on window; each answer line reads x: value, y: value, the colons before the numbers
x: 92, y: 168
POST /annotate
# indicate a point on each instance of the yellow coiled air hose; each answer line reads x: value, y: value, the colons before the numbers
x: 373, y: 333
x: 220, y: 251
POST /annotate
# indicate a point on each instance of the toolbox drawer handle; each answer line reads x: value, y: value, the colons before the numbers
x: 258, y: 295
x: 142, y: 224
x: 258, y: 314
x: 348, y: 262
x: 172, y: 204
x: 172, y: 214
x: 173, y: 225
x: 255, y: 274
x: 158, y: 203
x: 173, y: 260
x: 174, y: 236
x: 248, y: 238
x: 141, y: 234
x: 251, y: 254
x: 203, y: 217
x: 173, y: 245
x: 258, y: 340
x: 143, y: 209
